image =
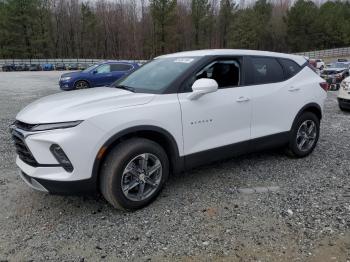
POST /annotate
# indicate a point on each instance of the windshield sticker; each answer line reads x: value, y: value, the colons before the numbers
x: 184, y: 60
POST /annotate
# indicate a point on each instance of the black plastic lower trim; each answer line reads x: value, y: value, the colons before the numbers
x: 79, y: 187
x: 229, y: 151
x: 344, y: 103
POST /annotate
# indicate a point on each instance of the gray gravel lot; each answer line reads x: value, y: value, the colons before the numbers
x: 200, y: 215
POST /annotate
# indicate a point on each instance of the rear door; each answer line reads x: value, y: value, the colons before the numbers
x: 276, y: 95
x: 118, y: 70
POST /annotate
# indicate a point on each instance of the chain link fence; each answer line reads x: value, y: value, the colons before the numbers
x: 327, y: 53
x: 56, y: 61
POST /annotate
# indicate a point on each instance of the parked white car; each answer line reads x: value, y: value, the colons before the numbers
x: 172, y: 114
x: 320, y: 65
x: 344, y: 94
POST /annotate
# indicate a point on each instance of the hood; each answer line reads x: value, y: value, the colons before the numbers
x: 80, y: 105
x: 72, y: 74
x: 347, y: 79
x: 333, y: 70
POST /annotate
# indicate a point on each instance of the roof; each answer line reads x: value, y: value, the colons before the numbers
x: 214, y: 52
x: 118, y: 61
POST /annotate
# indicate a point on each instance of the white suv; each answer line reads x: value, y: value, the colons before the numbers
x: 174, y: 113
x: 344, y: 95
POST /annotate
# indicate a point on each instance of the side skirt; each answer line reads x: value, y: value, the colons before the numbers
x: 237, y: 149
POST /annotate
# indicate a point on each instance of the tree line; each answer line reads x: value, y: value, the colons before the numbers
x: 142, y: 29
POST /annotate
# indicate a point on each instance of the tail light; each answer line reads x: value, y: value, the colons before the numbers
x: 325, y: 86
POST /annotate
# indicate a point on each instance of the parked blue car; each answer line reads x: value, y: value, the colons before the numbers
x: 101, y: 74
x: 48, y: 67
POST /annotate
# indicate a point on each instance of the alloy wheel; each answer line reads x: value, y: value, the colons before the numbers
x: 141, y: 177
x: 81, y: 85
x: 306, y: 135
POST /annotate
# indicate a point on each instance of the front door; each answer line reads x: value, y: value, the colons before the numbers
x: 220, y: 119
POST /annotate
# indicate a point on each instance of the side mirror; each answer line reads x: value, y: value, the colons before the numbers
x: 203, y: 86
x: 94, y: 72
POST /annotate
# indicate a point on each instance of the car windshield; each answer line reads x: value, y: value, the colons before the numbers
x: 156, y: 75
x: 90, y: 68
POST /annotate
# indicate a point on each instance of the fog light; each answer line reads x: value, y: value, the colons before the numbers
x: 61, y: 157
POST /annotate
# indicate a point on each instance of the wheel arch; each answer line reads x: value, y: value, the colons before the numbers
x: 82, y: 79
x: 311, y: 107
x: 154, y: 133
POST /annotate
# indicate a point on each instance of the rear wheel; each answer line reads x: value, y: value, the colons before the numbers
x: 304, y: 135
x: 133, y: 173
x: 81, y: 85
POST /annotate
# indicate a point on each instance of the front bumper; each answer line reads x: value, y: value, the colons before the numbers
x: 66, y: 85
x: 344, y: 103
x: 82, y: 187
x: 46, y: 174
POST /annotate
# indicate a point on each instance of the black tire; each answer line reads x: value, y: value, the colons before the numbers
x: 114, y: 165
x: 293, y: 149
x: 81, y: 84
x: 342, y: 108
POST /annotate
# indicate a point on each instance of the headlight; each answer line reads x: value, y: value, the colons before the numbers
x: 42, y: 127
x: 65, y: 78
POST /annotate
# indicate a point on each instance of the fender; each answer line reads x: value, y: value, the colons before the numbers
x: 313, y: 107
x: 177, y: 162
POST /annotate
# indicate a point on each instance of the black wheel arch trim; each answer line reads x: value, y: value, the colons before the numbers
x: 177, y: 162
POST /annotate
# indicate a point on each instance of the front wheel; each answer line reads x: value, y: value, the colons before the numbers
x: 304, y: 135
x: 133, y: 173
x: 81, y: 85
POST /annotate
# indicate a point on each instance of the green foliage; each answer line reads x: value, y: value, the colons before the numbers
x: 163, y: 13
x: 302, y: 26
x: 227, y: 8
x: 251, y: 27
x: 143, y: 29
x: 200, y: 14
x: 335, y: 24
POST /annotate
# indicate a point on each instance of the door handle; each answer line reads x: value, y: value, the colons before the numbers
x: 293, y: 89
x: 242, y: 99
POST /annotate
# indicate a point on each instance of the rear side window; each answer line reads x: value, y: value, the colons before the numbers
x: 120, y: 67
x: 290, y: 67
x: 266, y: 70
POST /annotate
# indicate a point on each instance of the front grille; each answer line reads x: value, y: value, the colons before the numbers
x: 22, y: 150
x: 23, y: 126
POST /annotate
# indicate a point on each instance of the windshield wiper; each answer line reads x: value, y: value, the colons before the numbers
x: 128, y: 88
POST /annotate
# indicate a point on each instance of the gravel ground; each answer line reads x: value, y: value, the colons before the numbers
x: 219, y: 212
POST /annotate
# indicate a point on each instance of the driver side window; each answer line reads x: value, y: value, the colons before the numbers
x: 227, y: 73
x: 103, y: 69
